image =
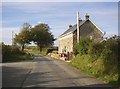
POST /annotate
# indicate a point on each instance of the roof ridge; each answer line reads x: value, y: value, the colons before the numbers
x: 97, y: 27
x: 72, y: 29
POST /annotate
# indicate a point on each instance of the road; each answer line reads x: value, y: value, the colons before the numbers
x: 46, y: 72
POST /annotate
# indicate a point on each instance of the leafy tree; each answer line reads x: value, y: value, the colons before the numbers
x: 42, y: 36
x: 24, y: 37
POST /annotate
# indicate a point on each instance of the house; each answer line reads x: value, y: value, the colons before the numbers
x: 82, y: 28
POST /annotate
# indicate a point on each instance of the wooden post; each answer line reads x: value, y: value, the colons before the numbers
x: 78, y: 30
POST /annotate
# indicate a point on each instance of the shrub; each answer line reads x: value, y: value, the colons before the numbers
x: 10, y: 52
x: 6, y: 50
x: 75, y: 50
x: 53, y: 49
x: 84, y: 45
x: 49, y: 50
x: 95, y: 50
x: 15, y: 50
x: 99, y: 59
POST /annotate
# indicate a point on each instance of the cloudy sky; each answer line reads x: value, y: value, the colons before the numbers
x: 57, y: 15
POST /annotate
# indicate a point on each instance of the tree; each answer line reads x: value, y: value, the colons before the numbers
x: 24, y: 37
x: 42, y: 36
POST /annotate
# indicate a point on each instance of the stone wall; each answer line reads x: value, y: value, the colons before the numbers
x: 53, y: 55
x: 66, y: 43
x: 90, y: 30
x: 57, y: 56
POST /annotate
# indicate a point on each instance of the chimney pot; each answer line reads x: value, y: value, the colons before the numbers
x: 70, y: 26
x: 87, y: 16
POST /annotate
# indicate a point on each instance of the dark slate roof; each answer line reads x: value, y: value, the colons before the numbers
x: 73, y: 28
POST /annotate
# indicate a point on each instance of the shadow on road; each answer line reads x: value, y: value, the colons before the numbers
x: 16, y: 76
x: 13, y: 77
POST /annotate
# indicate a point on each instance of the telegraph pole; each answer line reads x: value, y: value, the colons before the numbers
x: 78, y: 29
x: 12, y: 37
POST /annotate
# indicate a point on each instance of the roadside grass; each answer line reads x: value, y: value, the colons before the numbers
x: 34, y: 49
x: 19, y: 57
x: 96, y: 68
x: 42, y: 53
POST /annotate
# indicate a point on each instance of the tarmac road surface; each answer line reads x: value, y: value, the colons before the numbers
x: 46, y: 72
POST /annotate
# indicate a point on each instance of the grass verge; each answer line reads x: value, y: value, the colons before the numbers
x: 106, y: 72
x: 19, y: 57
x: 35, y: 50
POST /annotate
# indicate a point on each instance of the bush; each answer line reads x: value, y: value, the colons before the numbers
x: 95, y: 50
x: 15, y: 50
x: 6, y: 50
x: 107, y: 72
x: 84, y: 45
x: 50, y: 50
x: 10, y: 50
x: 99, y: 59
x: 12, y: 53
x: 75, y: 50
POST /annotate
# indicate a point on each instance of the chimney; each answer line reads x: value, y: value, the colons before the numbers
x: 87, y: 16
x: 70, y: 26
x: 78, y: 30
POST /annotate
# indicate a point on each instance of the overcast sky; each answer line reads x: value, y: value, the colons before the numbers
x: 57, y: 15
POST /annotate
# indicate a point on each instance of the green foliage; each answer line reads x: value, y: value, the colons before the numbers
x: 95, y: 50
x: 24, y: 37
x: 96, y: 68
x: 35, y: 49
x: 12, y: 53
x: 75, y: 50
x: 6, y: 50
x: 52, y: 50
x: 84, y: 45
x: 44, y: 51
x: 42, y: 36
x: 100, y: 59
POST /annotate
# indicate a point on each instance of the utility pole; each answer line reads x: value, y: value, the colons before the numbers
x: 12, y: 37
x: 78, y: 29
